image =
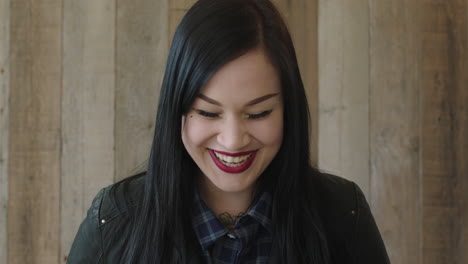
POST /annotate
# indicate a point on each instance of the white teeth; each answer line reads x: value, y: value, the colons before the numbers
x: 231, y: 161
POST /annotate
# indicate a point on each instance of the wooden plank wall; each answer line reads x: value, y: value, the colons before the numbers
x: 444, y: 137
x: 34, y: 132
x: 302, y: 19
x: 4, y: 112
x: 386, y: 82
x: 87, y: 160
x: 414, y: 172
x: 343, y: 96
x: 141, y: 53
x: 394, y: 126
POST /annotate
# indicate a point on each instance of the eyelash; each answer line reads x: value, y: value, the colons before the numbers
x: 250, y: 116
x: 207, y: 114
x: 259, y: 115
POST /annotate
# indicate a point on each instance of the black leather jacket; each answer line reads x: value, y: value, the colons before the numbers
x: 351, y: 231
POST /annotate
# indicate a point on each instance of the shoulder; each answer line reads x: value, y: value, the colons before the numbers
x: 335, y: 195
x: 350, y: 228
x: 96, y: 240
x: 116, y: 199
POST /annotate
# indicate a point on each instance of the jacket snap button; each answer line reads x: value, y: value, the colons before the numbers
x: 103, y: 221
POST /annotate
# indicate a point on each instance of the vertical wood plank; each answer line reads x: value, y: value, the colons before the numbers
x: 301, y: 16
x: 181, y: 4
x: 4, y: 95
x: 34, y: 121
x: 344, y: 89
x: 394, y: 126
x: 87, y: 109
x: 444, y: 131
x: 462, y: 194
x: 303, y: 25
x: 141, y: 54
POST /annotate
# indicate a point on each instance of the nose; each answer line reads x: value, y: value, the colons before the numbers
x: 233, y: 135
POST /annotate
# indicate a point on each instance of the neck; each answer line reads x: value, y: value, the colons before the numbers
x: 220, y: 202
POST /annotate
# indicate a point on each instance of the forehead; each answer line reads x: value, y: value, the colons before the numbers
x: 249, y: 76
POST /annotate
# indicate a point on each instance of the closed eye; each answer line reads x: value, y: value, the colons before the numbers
x: 207, y: 114
x: 249, y: 116
x: 259, y: 115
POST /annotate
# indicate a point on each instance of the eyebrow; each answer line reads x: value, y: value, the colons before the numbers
x: 250, y: 103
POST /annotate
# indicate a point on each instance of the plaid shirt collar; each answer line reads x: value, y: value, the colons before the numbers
x: 209, y: 229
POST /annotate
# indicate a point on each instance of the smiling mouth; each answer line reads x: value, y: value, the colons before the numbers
x: 232, y: 163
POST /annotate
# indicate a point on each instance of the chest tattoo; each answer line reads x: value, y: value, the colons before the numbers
x: 229, y: 220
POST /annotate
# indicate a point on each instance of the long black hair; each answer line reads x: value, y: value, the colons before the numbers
x: 211, y: 34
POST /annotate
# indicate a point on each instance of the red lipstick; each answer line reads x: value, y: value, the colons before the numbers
x: 237, y: 169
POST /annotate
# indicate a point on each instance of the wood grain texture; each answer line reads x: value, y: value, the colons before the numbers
x: 181, y: 4
x: 302, y: 25
x: 445, y: 131
x: 344, y: 89
x: 141, y: 54
x: 87, y: 109
x: 462, y: 190
x: 394, y: 126
x: 4, y: 110
x: 34, y: 140
x: 301, y: 17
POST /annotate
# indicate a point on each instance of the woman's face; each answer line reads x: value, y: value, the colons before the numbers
x: 235, y: 126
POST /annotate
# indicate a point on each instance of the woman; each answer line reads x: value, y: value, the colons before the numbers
x: 229, y: 178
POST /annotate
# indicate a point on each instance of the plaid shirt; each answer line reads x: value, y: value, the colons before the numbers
x: 251, y: 241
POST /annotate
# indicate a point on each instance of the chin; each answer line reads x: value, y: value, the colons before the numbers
x: 232, y: 185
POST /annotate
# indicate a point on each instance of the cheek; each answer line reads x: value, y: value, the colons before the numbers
x: 269, y: 132
x: 195, y: 132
